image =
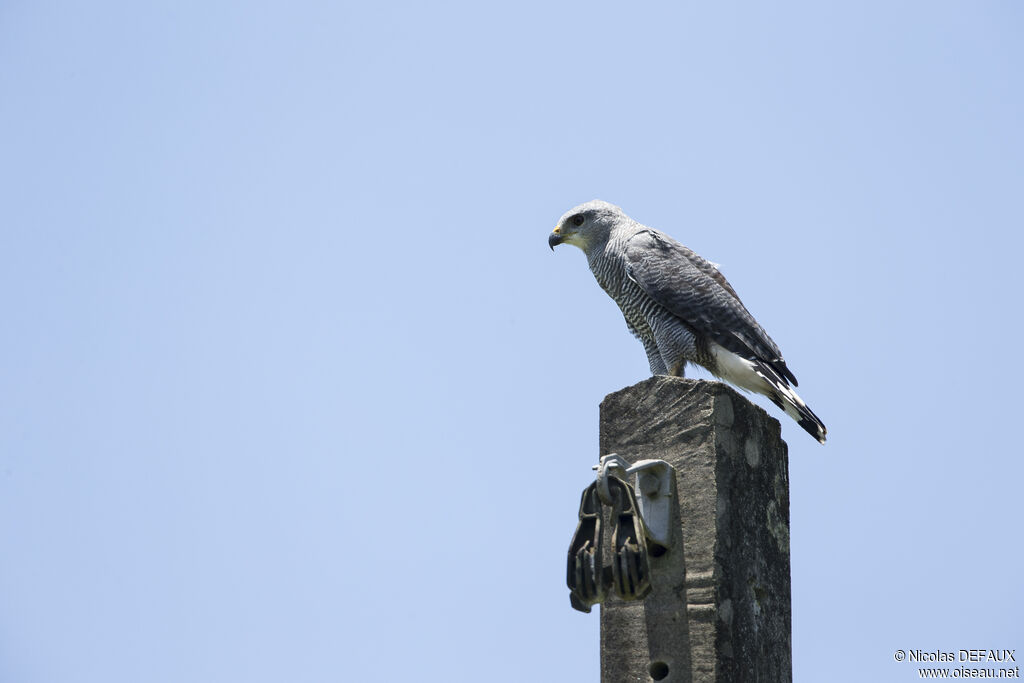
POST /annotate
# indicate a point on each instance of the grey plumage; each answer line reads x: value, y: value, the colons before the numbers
x: 680, y: 306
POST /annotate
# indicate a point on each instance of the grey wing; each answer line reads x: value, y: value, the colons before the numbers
x: 693, y: 290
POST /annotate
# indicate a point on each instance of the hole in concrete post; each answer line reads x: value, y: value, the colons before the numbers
x: 658, y: 670
x: 656, y: 549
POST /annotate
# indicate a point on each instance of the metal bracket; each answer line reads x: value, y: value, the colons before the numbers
x: 653, y: 485
x: 633, y: 521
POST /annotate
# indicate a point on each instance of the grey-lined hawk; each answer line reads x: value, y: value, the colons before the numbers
x: 680, y: 306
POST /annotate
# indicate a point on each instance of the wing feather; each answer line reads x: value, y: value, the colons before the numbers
x: 694, y: 290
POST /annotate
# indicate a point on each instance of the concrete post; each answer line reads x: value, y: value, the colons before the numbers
x: 720, y: 605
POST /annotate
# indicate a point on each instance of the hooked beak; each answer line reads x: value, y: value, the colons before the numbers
x: 555, y: 238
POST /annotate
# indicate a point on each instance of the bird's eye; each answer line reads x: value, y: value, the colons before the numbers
x: 578, y: 219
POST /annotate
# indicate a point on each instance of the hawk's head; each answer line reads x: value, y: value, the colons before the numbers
x: 586, y: 225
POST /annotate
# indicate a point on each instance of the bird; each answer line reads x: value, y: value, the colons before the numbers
x: 681, y: 307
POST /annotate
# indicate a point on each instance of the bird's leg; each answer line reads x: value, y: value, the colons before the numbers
x: 672, y: 363
x: 675, y: 346
x: 654, y: 358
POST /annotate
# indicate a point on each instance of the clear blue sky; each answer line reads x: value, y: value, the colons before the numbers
x: 294, y: 390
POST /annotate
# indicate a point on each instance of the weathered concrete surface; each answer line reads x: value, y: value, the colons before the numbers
x: 720, y: 609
